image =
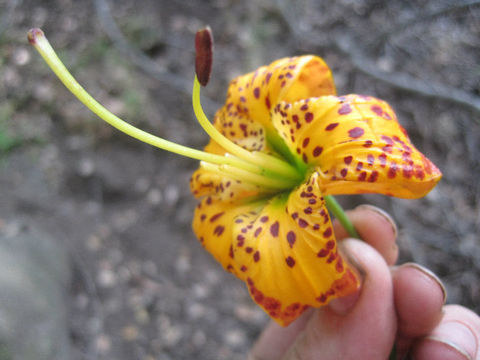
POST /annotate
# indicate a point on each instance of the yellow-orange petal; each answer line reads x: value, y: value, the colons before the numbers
x: 357, y: 145
x: 254, y: 94
x: 287, y: 253
x: 213, y: 224
x: 224, y: 188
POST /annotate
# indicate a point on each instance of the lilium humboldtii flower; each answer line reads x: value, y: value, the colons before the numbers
x: 282, y: 144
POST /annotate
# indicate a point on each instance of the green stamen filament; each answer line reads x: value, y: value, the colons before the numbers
x: 242, y: 165
x: 263, y: 160
x: 248, y: 177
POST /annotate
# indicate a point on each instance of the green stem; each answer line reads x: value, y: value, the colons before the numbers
x: 336, y: 209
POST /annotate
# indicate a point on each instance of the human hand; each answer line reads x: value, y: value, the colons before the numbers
x: 404, y: 304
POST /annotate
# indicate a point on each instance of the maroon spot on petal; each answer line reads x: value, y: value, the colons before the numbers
x: 362, y: 176
x: 387, y: 139
x: 392, y: 171
x: 339, y: 265
x: 388, y: 149
x: 368, y: 143
x: 377, y: 110
x: 219, y: 230
x: 267, y: 78
x: 257, y: 231
x: 322, y: 298
x: 373, y: 176
x: 383, y: 159
x: 331, y: 126
x: 308, y: 210
x: 348, y: 159
x: 243, y: 268
x: 370, y: 159
x: 322, y: 253
x: 312, y: 201
x: 317, y: 151
x: 304, y: 107
x: 308, y: 117
x: 419, y: 173
x: 330, y: 245
x: 256, y: 92
x: 327, y: 233
x: 203, y: 217
x: 230, y: 251
x: 331, y: 258
x: 216, y: 216
x: 304, y: 158
x: 359, y: 166
x: 256, y: 256
x: 248, y: 250
x: 356, y: 132
x: 274, y: 229
x: 344, y: 172
x: 294, y: 215
x: 264, y: 219
x: 267, y: 103
x: 302, y: 223
x: 344, y: 109
x: 407, y: 171
x: 290, y: 261
x: 291, y: 238
x: 305, y: 142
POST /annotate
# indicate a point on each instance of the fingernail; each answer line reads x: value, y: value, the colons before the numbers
x: 342, y: 306
x: 383, y: 214
x: 430, y: 275
x: 457, y: 336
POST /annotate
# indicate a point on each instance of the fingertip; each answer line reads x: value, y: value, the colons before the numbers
x: 451, y: 339
x: 419, y: 297
x: 375, y: 227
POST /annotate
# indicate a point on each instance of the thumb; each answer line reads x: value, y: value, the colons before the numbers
x: 358, y: 327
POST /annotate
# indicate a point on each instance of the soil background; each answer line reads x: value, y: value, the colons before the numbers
x: 142, y: 286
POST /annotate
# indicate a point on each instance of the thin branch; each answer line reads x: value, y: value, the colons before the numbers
x: 422, y: 17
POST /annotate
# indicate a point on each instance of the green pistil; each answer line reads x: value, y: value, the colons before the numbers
x: 251, y: 167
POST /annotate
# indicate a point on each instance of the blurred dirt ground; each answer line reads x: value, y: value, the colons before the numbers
x: 143, y: 288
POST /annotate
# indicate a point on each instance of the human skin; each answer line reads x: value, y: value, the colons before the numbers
x: 404, y: 303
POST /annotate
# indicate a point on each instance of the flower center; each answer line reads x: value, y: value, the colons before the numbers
x: 266, y: 171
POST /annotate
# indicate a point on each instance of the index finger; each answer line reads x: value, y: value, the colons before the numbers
x: 375, y: 227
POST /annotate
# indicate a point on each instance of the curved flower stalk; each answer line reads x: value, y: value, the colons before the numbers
x: 280, y: 147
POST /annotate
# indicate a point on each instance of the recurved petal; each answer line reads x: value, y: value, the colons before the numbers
x: 254, y: 94
x: 287, y: 254
x: 213, y: 224
x: 357, y: 145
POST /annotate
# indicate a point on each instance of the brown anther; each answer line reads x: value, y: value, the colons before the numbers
x: 204, y: 55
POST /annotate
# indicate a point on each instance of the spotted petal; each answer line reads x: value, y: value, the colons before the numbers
x: 357, y: 145
x: 245, y: 117
x: 213, y: 225
x: 284, y: 249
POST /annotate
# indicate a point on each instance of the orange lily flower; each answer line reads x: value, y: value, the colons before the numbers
x: 282, y: 144
x: 282, y: 243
